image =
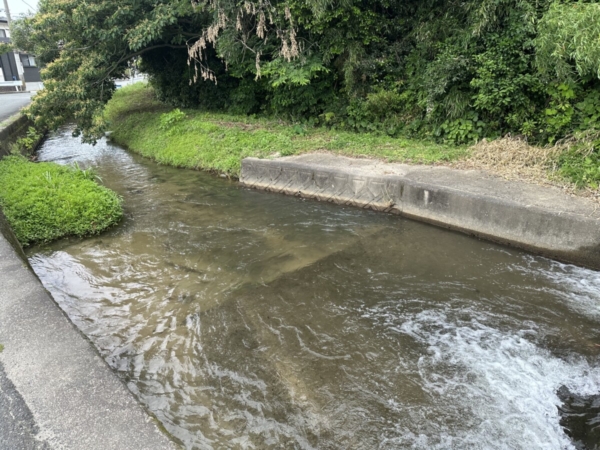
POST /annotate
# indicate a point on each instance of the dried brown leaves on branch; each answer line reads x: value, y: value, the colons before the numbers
x: 252, y: 18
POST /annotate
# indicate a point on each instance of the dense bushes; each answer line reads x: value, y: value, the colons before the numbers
x: 458, y: 71
x: 46, y: 201
x: 454, y: 70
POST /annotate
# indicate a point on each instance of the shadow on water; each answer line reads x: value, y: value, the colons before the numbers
x: 249, y: 320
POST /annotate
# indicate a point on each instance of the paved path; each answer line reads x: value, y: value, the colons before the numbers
x: 56, y: 392
x: 11, y: 104
x: 17, y: 426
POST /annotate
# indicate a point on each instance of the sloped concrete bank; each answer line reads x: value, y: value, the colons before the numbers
x: 55, y: 389
x: 539, y: 219
x: 10, y: 131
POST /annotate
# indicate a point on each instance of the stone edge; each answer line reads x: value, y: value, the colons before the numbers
x: 566, y: 237
x: 9, y: 130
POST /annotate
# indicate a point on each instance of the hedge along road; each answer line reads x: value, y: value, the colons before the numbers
x: 12, y: 103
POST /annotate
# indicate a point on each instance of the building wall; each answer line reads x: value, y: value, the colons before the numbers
x: 32, y: 75
x: 11, y: 64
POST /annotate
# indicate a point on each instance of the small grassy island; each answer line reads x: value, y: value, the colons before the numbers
x: 46, y: 201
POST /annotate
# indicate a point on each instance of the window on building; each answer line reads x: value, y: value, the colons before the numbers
x: 27, y: 60
x: 2, y: 33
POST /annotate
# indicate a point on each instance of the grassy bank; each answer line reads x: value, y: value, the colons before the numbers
x: 213, y: 141
x: 46, y: 201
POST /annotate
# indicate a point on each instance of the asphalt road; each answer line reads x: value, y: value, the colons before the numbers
x: 12, y: 103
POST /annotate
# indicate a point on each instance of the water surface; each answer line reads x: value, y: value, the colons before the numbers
x: 249, y: 320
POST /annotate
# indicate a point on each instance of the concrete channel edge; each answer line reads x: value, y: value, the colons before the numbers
x: 55, y: 375
x: 543, y: 220
x: 10, y: 130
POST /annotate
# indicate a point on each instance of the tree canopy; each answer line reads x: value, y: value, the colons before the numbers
x: 453, y: 70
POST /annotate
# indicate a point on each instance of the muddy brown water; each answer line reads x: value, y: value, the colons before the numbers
x: 249, y: 320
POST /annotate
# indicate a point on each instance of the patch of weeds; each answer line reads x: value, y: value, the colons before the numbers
x: 47, y: 201
x: 168, y: 120
x: 580, y: 167
x: 25, y: 144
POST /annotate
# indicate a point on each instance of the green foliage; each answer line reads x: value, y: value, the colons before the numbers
x: 5, y: 48
x: 84, y: 46
x: 581, y: 167
x: 571, y: 110
x: 567, y: 43
x: 168, y: 120
x: 26, y: 144
x: 217, y: 141
x: 46, y: 201
x: 560, y: 111
x: 297, y: 73
x: 454, y: 71
x: 587, y: 111
x: 463, y: 131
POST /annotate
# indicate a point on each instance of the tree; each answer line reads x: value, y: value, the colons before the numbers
x: 84, y: 46
x: 567, y: 44
x: 459, y: 70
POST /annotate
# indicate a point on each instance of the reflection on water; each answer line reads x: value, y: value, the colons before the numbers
x: 250, y: 320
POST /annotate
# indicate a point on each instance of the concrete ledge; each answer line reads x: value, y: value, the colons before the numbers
x: 10, y: 130
x: 55, y: 390
x: 539, y: 219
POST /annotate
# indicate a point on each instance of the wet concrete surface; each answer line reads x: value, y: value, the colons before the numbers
x: 541, y: 219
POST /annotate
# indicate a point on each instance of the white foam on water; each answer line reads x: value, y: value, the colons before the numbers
x: 489, y: 389
x: 578, y: 287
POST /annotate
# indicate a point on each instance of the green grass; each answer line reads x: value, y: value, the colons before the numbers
x: 219, y: 142
x: 46, y: 201
x: 580, y: 166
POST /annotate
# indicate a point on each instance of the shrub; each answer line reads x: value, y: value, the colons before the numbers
x: 25, y: 144
x: 46, y: 201
x: 168, y: 120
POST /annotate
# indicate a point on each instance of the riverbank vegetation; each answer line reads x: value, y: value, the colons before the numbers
x: 215, y: 141
x: 47, y: 201
x: 456, y: 72
x: 196, y: 139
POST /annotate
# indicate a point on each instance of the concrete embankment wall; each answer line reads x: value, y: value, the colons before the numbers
x: 55, y: 389
x: 14, y: 128
x: 540, y: 219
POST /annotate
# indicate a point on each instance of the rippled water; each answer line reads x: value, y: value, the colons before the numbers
x: 243, y: 319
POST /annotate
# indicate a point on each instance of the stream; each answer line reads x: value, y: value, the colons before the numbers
x: 248, y: 320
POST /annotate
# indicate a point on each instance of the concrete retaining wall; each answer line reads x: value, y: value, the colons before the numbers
x: 11, y: 130
x: 540, y: 219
